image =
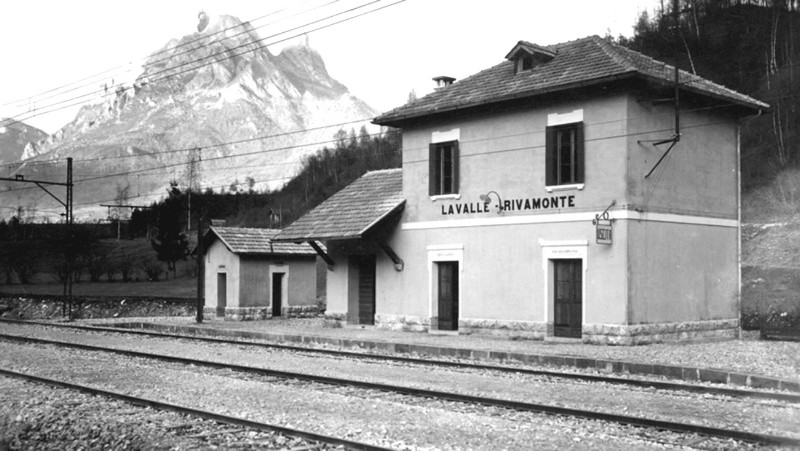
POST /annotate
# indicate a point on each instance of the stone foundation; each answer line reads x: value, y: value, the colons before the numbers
x: 247, y: 313
x: 408, y: 323
x: 210, y: 312
x: 601, y: 334
x: 640, y: 334
x: 530, y: 330
x: 335, y: 319
x: 300, y: 311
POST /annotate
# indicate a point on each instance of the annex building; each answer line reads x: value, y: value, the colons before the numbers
x: 248, y: 276
x: 564, y: 192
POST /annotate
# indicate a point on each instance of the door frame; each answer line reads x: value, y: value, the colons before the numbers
x: 444, y: 253
x: 282, y: 269
x: 562, y: 250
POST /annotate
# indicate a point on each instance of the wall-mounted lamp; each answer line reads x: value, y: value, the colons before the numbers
x: 487, y: 199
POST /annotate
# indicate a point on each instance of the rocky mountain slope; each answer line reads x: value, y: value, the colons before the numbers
x: 221, y: 93
x: 14, y: 137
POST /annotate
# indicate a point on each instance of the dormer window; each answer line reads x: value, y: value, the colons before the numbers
x: 525, y: 63
x: 526, y: 56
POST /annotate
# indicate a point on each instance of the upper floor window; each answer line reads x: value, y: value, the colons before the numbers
x: 443, y: 174
x: 564, y: 155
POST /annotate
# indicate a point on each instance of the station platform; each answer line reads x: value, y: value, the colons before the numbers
x: 747, y: 362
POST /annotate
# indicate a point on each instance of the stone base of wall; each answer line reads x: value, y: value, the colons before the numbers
x: 530, y: 330
x: 639, y: 334
x: 334, y: 319
x: 408, y: 323
x: 247, y: 313
x: 300, y: 311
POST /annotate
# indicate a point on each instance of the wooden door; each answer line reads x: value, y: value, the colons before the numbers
x: 448, y: 295
x: 366, y: 289
x: 277, y: 293
x: 568, y: 298
x: 222, y: 293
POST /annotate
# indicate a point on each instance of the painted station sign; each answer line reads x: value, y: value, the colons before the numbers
x: 533, y: 203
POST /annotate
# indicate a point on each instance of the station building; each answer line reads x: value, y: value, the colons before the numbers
x: 248, y: 276
x: 563, y: 193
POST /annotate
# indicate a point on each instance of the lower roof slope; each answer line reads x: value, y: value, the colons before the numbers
x: 240, y: 240
x: 582, y: 62
x: 351, y: 212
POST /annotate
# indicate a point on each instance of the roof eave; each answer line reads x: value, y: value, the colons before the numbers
x: 755, y: 105
x: 347, y: 236
x: 400, y: 119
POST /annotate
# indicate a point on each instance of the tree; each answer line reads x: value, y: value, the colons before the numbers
x: 170, y: 243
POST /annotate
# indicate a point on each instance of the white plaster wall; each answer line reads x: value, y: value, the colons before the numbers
x: 220, y: 259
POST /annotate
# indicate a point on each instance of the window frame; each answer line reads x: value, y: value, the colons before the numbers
x: 553, y: 165
x: 437, y: 177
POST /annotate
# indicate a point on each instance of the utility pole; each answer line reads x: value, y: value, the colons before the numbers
x: 201, y: 262
x: 191, y: 175
x: 66, y: 307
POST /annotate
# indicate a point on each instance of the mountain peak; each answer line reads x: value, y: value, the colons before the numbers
x: 306, y: 69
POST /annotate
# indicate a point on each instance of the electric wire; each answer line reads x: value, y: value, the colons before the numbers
x: 114, y: 71
x: 18, y: 118
x: 322, y: 127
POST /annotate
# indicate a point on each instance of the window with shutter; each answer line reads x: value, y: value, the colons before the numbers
x: 443, y: 173
x: 564, y: 154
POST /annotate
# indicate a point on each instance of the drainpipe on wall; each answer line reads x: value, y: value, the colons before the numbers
x: 739, y: 222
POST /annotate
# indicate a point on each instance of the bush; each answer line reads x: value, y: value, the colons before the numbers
x: 152, y: 269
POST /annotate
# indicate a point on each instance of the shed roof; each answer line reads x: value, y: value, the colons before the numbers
x: 578, y: 63
x: 353, y: 211
x: 240, y: 240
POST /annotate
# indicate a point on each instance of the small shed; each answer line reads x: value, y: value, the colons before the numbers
x: 248, y: 276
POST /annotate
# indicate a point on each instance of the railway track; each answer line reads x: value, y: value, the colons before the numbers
x: 640, y: 383
x: 637, y: 421
x: 226, y: 419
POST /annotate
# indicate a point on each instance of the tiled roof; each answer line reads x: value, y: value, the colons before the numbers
x: 241, y: 240
x: 352, y: 211
x: 577, y: 63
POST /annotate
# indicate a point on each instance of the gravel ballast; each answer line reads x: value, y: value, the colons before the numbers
x: 374, y: 417
x: 717, y: 411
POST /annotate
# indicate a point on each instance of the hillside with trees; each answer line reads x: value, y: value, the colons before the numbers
x: 752, y: 46
x: 322, y: 174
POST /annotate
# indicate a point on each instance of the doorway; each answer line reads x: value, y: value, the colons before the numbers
x: 447, y: 295
x: 277, y: 293
x: 568, y: 298
x: 366, y: 289
x: 222, y: 293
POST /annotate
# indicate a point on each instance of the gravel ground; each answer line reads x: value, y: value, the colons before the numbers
x: 37, y: 417
x: 750, y: 355
x: 395, y: 421
x: 719, y: 411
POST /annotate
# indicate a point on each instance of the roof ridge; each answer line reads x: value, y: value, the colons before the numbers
x: 383, y: 170
x: 610, y: 49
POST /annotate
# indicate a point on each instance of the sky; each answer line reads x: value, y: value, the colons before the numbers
x: 381, y: 56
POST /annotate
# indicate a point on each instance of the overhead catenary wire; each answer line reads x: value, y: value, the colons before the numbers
x: 336, y: 140
x: 355, y: 121
x: 20, y: 118
x: 113, y: 72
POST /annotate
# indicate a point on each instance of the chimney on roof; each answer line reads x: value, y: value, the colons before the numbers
x: 217, y: 223
x: 443, y: 80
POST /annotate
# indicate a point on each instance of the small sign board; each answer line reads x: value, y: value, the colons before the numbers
x: 603, y: 233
